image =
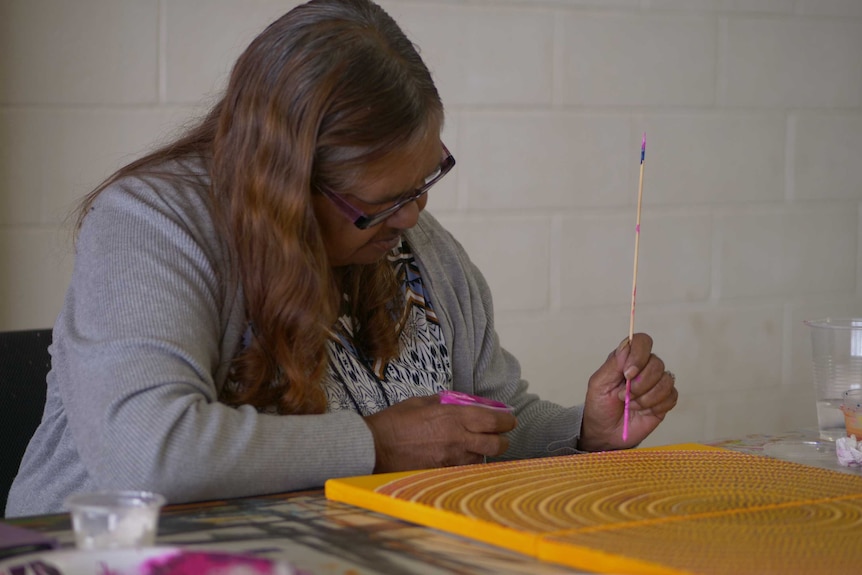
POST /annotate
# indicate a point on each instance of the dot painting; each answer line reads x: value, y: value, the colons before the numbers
x: 670, y: 511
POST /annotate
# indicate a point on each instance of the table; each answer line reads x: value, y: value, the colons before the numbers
x: 320, y: 537
x: 324, y: 537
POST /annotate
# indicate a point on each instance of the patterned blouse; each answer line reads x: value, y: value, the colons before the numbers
x: 423, y: 368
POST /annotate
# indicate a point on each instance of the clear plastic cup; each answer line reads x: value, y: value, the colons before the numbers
x: 115, y: 519
x: 837, y: 367
x: 852, y: 408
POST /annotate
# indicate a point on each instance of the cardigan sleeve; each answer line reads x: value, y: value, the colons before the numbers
x: 480, y: 365
x: 148, y: 329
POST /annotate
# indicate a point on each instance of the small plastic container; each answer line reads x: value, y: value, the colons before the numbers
x: 115, y: 519
x: 851, y: 405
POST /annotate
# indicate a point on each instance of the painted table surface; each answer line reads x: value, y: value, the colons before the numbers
x: 325, y: 537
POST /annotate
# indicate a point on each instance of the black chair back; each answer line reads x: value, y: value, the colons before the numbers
x: 24, y: 365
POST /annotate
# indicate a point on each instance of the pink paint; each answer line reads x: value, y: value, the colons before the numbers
x: 626, y: 410
x: 459, y: 398
x: 638, y: 228
x: 195, y: 563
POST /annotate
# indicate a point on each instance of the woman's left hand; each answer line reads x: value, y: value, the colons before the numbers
x: 653, y: 394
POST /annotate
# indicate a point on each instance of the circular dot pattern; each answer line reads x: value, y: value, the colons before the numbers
x: 709, y: 511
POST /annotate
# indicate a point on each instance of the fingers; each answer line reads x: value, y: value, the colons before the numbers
x: 653, y: 394
x: 636, y: 355
x: 660, y: 398
x: 626, y: 362
x: 647, y: 376
x: 487, y: 444
x: 483, y: 420
x: 485, y: 427
x: 479, y: 430
x: 421, y: 433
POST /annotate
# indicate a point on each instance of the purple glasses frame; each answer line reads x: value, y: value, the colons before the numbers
x: 364, y: 221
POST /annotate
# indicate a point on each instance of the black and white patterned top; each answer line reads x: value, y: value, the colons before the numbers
x: 423, y: 368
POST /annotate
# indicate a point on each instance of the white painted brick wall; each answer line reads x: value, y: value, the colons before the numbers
x: 714, y: 158
x: 752, y: 202
x: 89, y: 52
x: 525, y: 160
x: 838, y: 8
x: 637, y: 59
x: 793, y: 62
x: 489, y: 55
x: 751, y: 6
x: 826, y: 156
x: 200, y: 39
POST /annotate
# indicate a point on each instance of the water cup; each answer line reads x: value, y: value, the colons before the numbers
x: 837, y: 367
x: 115, y: 519
x: 852, y: 408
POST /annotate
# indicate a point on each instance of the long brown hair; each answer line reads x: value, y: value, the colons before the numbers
x: 327, y: 90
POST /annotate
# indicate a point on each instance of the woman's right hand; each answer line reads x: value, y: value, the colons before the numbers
x: 422, y: 433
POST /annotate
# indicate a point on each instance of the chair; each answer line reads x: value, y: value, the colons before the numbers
x: 24, y: 365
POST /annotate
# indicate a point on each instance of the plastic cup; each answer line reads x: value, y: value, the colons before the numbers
x: 852, y: 408
x: 837, y: 367
x: 115, y: 519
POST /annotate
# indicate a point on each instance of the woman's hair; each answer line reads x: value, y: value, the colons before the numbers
x: 325, y: 92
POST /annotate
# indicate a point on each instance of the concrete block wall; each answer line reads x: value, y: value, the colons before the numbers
x: 752, y: 201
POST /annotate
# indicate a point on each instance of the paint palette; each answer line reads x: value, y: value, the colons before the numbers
x: 143, y: 561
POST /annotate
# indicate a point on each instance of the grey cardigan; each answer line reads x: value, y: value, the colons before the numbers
x: 142, y: 345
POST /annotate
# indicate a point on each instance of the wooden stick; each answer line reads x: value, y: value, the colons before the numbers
x: 634, y: 284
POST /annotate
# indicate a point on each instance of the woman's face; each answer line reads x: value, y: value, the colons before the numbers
x: 379, y: 188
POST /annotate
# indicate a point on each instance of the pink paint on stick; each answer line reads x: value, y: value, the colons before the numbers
x: 626, y: 410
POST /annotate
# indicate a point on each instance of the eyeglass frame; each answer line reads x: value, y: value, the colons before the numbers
x: 363, y: 221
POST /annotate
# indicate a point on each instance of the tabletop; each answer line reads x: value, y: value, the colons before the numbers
x: 325, y: 537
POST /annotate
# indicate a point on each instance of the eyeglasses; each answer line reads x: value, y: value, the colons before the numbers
x: 364, y: 221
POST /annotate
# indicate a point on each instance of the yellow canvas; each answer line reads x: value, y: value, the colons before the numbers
x: 686, y: 509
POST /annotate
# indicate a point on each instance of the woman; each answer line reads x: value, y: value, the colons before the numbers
x: 263, y: 304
